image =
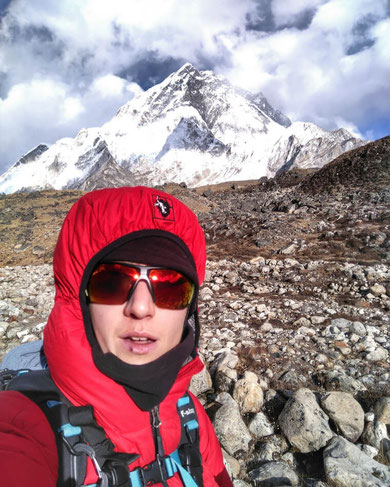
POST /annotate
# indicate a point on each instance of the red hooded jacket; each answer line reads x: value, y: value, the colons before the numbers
x: 28, y: 453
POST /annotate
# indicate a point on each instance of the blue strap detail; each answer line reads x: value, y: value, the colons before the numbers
x: 69, y: 430
x: 22, y: 372
x: 90, y: 485
x: 134, y: 479
x: 175, y: 456
x: 182, y: 401
x: 188, y: 481
x: 171, y: 467
x: 51, y: 404
x: 192, y: 425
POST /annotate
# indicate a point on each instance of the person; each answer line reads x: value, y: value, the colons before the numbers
x: 121, y: 338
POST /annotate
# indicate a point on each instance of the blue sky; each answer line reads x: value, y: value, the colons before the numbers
x: 69, y: 64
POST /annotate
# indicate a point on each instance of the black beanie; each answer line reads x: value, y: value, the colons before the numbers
x: 159, y: 251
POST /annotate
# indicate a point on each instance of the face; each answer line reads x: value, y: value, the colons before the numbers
x: 137, y: 331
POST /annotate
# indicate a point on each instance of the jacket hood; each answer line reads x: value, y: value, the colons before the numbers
x: 96, y: 223
x: 102, y: 217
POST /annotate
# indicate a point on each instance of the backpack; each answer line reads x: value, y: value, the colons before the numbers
x: 78, y: 437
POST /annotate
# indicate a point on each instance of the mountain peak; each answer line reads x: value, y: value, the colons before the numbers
x: 194, y: 127
x: 187, y: 69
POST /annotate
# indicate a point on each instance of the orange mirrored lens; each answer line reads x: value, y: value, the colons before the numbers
x: 171, y: 289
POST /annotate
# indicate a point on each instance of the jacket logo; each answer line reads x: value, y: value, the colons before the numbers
x: 163, y: 208
x: 187, y: 412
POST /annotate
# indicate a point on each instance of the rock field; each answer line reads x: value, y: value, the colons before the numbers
x: 295, y: 313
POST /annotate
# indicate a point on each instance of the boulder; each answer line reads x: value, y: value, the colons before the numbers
x: 274, y: 474
x: 229, y: 426
x: 375, y: 434
x: 377, y: 355
x: 201, y: 382
x: 346, y: 465
x: 304, y: 423
x: 333, y: 379
x: 225, y: 359
x: 260, y: 426
x: 346, y: 413
x: 270, y: 449
x: 248, y: 394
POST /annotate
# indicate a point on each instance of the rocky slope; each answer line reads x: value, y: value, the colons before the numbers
x: 294, y: 311
x: 193, y: 127
x: 367, y: 165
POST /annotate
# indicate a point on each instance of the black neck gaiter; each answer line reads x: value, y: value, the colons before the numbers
x: 147, y: 384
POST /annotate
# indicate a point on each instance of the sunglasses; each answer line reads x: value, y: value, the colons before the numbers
x: 115, y: 283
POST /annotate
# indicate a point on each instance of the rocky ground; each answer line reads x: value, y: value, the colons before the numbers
x: 295, y: 315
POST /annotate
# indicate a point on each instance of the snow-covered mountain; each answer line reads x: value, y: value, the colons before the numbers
x: 305, y: 145
x: 193, y: 127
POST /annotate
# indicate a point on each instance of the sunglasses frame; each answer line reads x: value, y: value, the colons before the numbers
x: 144, y: 272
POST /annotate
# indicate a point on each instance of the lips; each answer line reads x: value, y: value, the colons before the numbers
x: 140, y: 344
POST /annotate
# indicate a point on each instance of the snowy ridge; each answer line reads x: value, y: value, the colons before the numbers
x: 193, y: 127
x: 305, y: 145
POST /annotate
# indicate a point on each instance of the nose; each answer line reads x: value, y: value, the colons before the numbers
x: 140, y: 305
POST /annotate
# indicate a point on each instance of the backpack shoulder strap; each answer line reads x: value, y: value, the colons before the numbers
x: 188, y: 449
x: 39, y: 387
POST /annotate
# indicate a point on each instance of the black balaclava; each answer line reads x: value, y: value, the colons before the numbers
x: 150, y: 383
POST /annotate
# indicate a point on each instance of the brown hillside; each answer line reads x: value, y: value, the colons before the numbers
x: 367, y: 165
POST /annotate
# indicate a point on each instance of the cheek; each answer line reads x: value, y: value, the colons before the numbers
x: 174, y: 325
x: 97, y: 319
x: 102, y: 318
x: 102, y: 314
x: 97, y: 316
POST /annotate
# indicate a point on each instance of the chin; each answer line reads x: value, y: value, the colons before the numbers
x: 137, y: 359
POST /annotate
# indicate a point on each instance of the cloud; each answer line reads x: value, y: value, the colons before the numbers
x: 273, y: 15
x: 3, y: 6
x: 286, y: 12
x: 313, y: 74
x: 111, y: 36
x: 43, y: 110
x: 70, y: 64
